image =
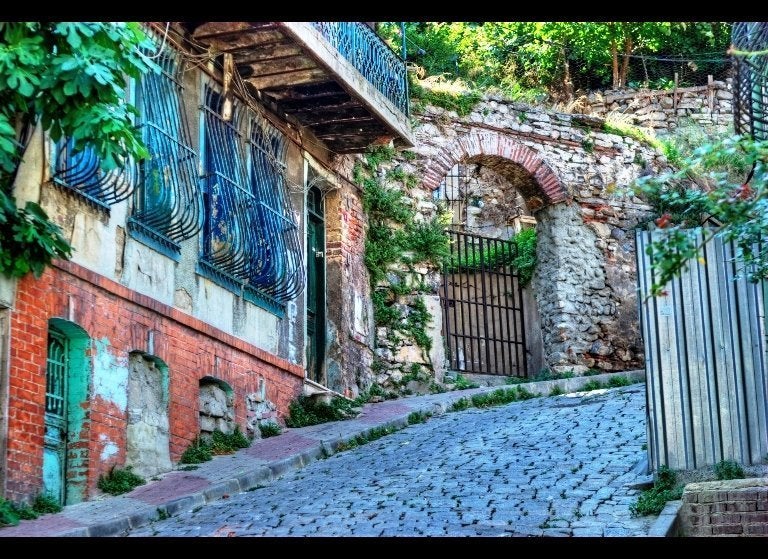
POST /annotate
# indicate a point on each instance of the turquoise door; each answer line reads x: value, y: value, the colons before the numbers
x: 55, y: 449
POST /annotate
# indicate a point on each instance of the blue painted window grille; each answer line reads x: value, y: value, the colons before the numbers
x: 250, y: 238
x: 168, y: 202
x: 79, y: 171
x: 279, y: 269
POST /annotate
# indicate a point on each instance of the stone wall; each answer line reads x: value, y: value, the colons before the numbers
x: 709, y: 106
x: 575, y: 178
x: 737, y: 507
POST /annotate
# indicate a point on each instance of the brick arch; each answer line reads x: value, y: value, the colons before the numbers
x: 496, y: 145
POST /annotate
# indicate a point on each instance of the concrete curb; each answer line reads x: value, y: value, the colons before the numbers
x: 127, y: 513
x: 667, y: 524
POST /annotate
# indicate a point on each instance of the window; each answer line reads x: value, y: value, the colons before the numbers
x: 78, y: 171
x: 250, y: 237
x: 168, y: 203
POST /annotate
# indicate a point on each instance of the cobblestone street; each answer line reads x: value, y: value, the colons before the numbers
x: 553, y: 466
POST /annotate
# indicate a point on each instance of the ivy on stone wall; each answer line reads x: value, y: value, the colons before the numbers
x: 396, y: 244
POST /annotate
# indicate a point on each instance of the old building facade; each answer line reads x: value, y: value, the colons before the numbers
x: 202, y: 279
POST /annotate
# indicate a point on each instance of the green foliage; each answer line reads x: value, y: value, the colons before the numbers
x: 500, y: 397
x: 226, y: 443
x: 394, y: 239
x: 369, y: 436
x: 9, y: 515
x: 269, y: 429
x: 45, y: 504
x: 305, y: 411
x: 460, y: 404
x: 525, y: 261
x: 652, y: 501
x: 547, y: 374
x: 462, y: 383
x: 119, y: 481
x: 418, y: 417
x: 69, y: 78
x: 525, y: 60
x: 710, y: 187
x: 592, y: 385
x: 197, y: 452
x: 460, y: 101
x: 520, y: 254
x: 28, y: 240
x: 616, y: 381
x: 556, y: 390
x: 203, y: 448
x: 729, y: 469
x: 628, y: 130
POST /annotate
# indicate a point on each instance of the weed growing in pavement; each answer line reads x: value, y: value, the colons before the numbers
x: 11, y: 513
x: 652, y: 501
x: 592, y: 385
x: 269, y: 429
x: 418, y: 417
x: 556, y: 390
x: 617, y: 381
x: 119, y: 481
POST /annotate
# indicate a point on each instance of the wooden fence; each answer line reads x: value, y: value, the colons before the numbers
x: 705, y: 361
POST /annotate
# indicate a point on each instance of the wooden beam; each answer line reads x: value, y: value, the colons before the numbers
x: 222, y: 29
x: 329, y: 100
x: 266, y: 52
x: 272, y: 67
x: 315, y: 117
x: 288, y: 78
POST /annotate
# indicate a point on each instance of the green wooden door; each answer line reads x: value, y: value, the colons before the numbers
x: 55, y: 449
x: 315, y: 286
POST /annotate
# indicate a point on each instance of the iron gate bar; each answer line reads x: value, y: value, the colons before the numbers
x: 484, y: 330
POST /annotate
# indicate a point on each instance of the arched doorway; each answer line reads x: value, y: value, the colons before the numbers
x: 65, y: 462
x: 484, y: 298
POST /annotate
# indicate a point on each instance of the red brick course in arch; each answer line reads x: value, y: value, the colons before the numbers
x: 495, y: 144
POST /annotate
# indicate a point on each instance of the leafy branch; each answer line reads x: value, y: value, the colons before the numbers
x: 734, y: 207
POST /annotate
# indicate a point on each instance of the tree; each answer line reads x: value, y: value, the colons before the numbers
x: 556, y: 55
x: 69, y: 79
x: 732, y: 205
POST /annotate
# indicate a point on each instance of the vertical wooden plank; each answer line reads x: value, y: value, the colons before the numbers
x: 672, y: 335
x: 695, y: 360
x: 710, y: 444
x: 751, y: 346
x: 715, y: 277
x: 650, y: 343
x: 726, y: 381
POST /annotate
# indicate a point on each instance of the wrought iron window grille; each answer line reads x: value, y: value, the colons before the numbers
x: 168, y: 200
x: 250, y: 238
x: 79, y: 171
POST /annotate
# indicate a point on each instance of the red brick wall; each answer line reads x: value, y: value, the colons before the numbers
x: 736, y: 507
x: 189, y: 347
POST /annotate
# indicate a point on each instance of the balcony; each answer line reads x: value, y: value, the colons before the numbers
x: 338, y: 79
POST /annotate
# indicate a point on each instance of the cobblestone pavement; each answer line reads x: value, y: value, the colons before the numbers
x: 555, y: 466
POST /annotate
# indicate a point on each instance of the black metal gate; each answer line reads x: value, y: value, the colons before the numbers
x: 483, y: 307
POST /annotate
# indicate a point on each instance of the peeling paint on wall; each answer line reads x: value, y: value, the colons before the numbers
x: 110, y: 375
x: 108, y: 450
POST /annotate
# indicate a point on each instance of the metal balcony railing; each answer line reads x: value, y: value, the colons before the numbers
x: 372, y: 57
